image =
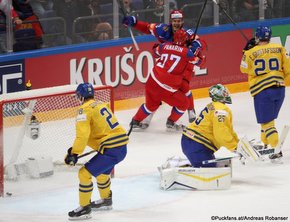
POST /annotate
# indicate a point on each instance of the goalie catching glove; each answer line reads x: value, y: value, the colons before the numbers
x: 71, y: 159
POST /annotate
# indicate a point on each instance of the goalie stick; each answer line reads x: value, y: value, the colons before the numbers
x: 220, y: 159
x: 277, y: 149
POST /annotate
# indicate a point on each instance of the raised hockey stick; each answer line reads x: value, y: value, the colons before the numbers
x: 129, y: 28
x: 199, y: 18
x: 231, y: 20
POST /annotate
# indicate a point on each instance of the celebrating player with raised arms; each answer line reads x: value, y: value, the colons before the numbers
x: 98, y: 128
x: 164, y: 33
x: 168, y: 81
x: 267, y: 65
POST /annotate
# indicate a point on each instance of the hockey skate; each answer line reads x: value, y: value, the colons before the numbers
x: 276, y: 157
x: 138, y: 125
x: 264, y: 150
x: 102, y: 204
x: 191, y: 115
x: 81, y: 213
x: 172, y: 126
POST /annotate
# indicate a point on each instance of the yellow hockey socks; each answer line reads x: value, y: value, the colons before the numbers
x: 85, y: 187
x: 104, y: 185
x: 271, y: 134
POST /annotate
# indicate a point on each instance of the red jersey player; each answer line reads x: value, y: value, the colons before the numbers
x: 164, y: 33
x: 168, y: 81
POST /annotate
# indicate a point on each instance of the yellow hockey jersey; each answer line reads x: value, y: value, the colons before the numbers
x: 266, y: 65
x: 98, y: 128
x: 213, y: 127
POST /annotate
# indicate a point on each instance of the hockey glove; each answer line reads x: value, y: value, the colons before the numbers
x: 71, y: 159
x: 196, y: 46
x: 129, y: 21
x: 250, y: 44
x: 200, y: 59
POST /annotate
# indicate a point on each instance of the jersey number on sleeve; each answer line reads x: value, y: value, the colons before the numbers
x: 164, y: 58
x: 105, y: 112
x: 264, y: 65
x: 201, y: 116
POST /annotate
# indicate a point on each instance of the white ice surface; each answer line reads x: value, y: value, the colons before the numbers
x: 257, y: 190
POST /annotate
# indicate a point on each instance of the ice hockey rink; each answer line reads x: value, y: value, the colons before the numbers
x: 258, y: 190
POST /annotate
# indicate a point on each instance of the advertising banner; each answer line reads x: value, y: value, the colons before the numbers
x: 12, y: 76
x: 126, y: 69
x: 117, y: 63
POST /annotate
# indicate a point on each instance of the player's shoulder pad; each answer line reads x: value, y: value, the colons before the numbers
x: 162, y: 28
x: 190, y: 32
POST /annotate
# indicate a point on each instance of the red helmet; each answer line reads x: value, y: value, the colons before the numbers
x: 176, y: 14
x: 180, y: 37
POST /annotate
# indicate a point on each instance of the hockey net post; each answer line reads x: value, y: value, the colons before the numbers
x: 55, y: 109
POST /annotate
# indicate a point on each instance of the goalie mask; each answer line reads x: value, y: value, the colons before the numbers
x: 85, y: 91
x: 219, y: 93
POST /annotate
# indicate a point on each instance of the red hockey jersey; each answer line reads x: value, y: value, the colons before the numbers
x: 174, y: 64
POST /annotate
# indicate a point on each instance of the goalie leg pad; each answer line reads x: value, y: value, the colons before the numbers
x: 247, y: 150
x: 195, y: 178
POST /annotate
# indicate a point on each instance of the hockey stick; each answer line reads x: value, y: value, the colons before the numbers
x: 218, y: 160
x: 282, y: 139
x: 231, y: 20
x: 129, y: 28
x: 277, y: 149
x: 93, y: 151
x: 130, y: 130
x: 199, y: 18
x: 86, y: 154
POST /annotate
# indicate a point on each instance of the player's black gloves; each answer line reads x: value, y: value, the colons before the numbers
x: 250, y: 44
x: 71, y: 159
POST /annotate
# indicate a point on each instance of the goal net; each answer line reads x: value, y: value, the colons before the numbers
x: 40, y: 123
